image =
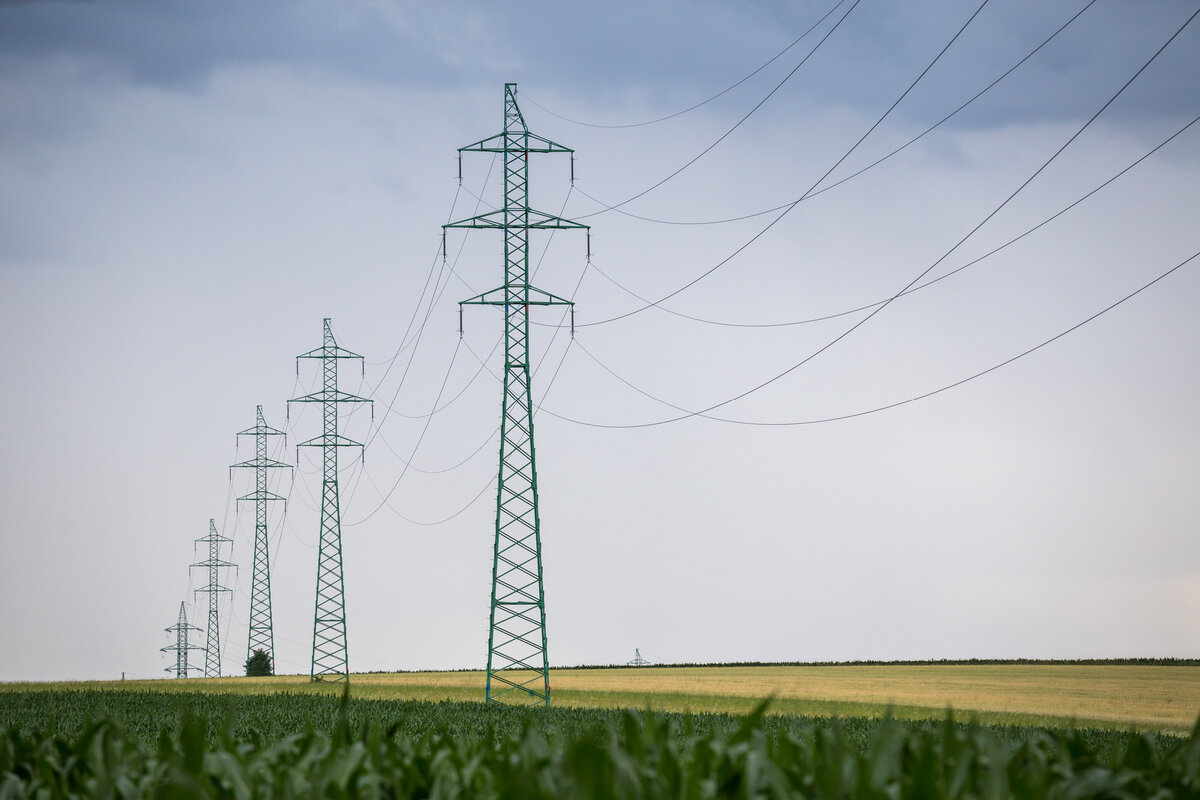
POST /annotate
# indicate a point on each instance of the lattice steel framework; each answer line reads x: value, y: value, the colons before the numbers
x: 330, y: 655
x: 518, y: 665
x: 212, y: 647
x: 637, y: 661
x: 182, y: 645
x: 262, y: 633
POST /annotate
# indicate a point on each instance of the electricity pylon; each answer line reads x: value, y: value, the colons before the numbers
x: 517, y: 657
x: 330, y: 656
x: 182, y: 645
x: 212, y: 646
x: 637, y: 661
x: 262, y: 634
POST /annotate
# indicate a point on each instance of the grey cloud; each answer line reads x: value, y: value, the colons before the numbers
x: 881, y: 47
x: 176, y: 46
x: 674, y: 53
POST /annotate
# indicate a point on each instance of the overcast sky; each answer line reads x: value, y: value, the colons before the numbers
x: 187, y: 189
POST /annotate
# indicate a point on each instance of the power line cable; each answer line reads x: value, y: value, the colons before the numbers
x: 737, y: 124
x: 407, y: 463
x: 443, y: 470
x: 859, y: 172
x: 898, y: 403
x: 492, y: 480
x: 483, y: 366
x: 437, y: 410
x: 919, y: 286
x: 417, y: 307
x: 434, y: 297
x: 416, y: 340
x: 724, y: 91
x: 490, y: 483
x: 373, y: 390
x: 420, y: 438
x: 388, y: 406
x: 705, y: 411
x: 795, y: 203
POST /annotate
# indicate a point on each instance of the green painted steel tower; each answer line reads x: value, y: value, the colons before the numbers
x: 182, y: 645
x: 212, y: 647
x: 262, y: 633
x: 330, y: 658
x: 518, y: 667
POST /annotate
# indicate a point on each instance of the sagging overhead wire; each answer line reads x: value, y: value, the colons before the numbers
x: 407, y: 462
x: 414, y: 343
x: 404, y: 340
x: 386, y: 498
x: 889, y: 406
x: 737, y: 124
x: 440, y: 252
x: 859, y: 172
x: 809, y: 320
x: 492, y: 480
x: 378, y: 433
x: 545, y: 353
x: 281, y: 521
x: 802, y: 197
x: 389, y: 407
x: 705, y: 412
x: 434, y: 296
x: 721, y: 93
x: 420, y: 438
x: 490, y: 483
x: 374, y: 389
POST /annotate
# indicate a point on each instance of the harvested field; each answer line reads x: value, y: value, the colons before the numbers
x: 1152, y: 697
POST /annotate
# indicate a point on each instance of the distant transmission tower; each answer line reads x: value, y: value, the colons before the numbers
x: 212, y: 647
x: 637, y: 661
x: 517, y: 657
x: 181, y: 629
x: 262, y: 635
x: 330, y: 656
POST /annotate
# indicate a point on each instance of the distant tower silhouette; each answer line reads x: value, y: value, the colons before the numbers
x: 262, y: 632
x: 181, y: 646
x: 212, y: 649
x: 638, y: 661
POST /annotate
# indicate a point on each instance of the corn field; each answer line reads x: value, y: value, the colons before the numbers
x: 147, y: 744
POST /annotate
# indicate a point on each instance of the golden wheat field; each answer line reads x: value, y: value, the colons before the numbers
x: 1153, y: 697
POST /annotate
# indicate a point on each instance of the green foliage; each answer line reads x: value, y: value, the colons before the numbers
x: 258, y: 665
x: 98, y: 744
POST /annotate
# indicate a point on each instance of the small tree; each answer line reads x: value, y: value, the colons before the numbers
x: 259, y: 664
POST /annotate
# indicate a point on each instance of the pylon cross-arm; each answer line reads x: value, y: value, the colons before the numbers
x: 534, y: 220
x: 533, y: 297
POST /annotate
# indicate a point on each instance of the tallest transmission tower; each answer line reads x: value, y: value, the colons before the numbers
x: 517, y: 657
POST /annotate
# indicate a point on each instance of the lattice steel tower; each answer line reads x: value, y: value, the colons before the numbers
x: 637, y: 661
x: 212, y: 646
x: 330, y: 658
x: 182, y: 645
x: 262, y: 634
x: 517, y: 657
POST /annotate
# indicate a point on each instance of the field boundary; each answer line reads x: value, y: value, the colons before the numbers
x: 943, y: 662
